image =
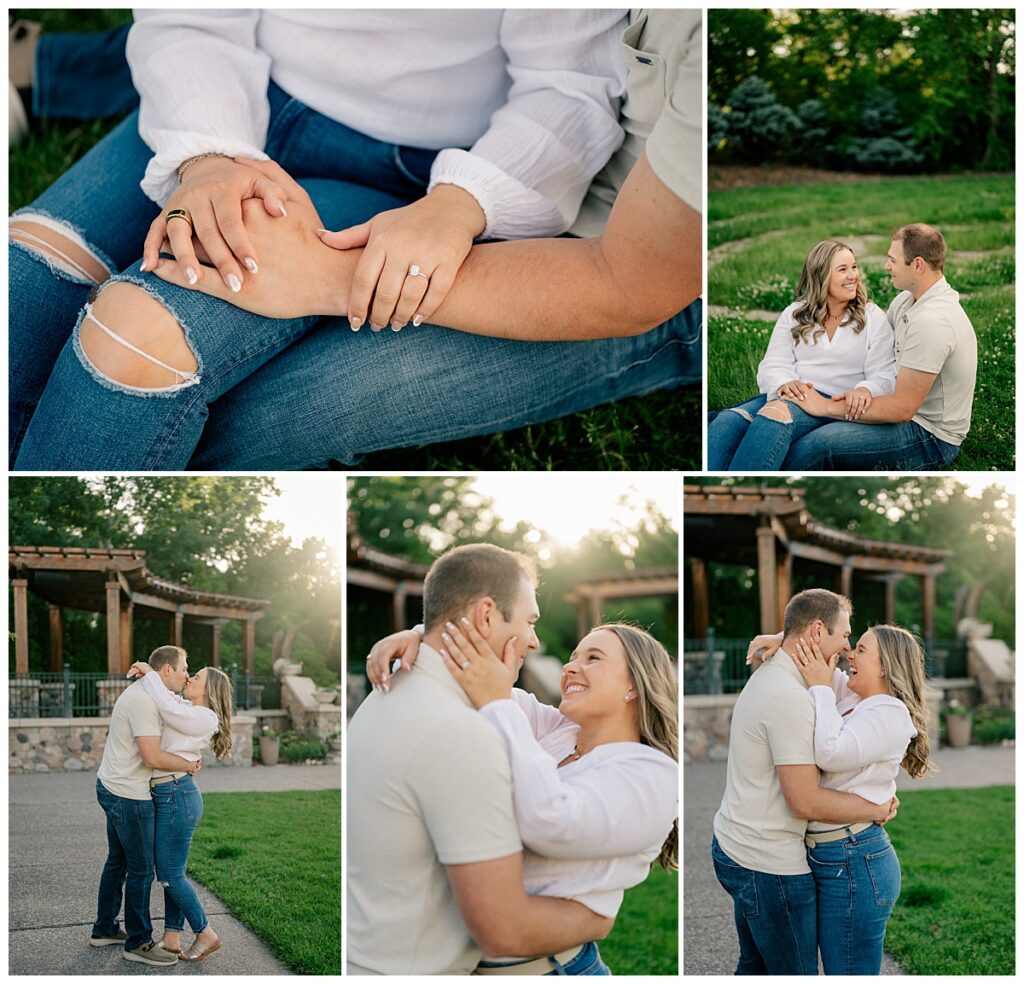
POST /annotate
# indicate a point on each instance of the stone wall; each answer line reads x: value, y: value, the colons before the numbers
x: 76, y: 744
x: 306, y: 713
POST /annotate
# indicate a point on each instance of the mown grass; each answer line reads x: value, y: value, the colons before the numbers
x: 275, y: 860
x: 659, y: 431
x: 975, y: 213
x: 956, y: 912
x: 645, y: 938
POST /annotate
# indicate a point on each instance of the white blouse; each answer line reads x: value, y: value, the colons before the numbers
x: 850, y: 359
x: 533, y: 94
x: 860, y: 753
x: 592, y: 828
x: 187, y: 727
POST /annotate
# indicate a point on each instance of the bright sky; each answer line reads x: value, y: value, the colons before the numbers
x: 311, y: 504
x: 567, y: 505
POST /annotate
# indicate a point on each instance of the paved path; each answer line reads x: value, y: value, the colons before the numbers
x: 709, y: 937
x: 57, y: 849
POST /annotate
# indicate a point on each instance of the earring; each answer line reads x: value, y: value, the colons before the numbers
x: 628, y: 695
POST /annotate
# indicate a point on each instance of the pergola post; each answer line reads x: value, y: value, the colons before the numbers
x: 249, y: 644
x: 766, y: 577
x: 20, y: 625
x: 783, y: 585
x: 846, y: 578
x: 215, y: 648
x: 179, y: 628
x: 595, y: 610
x: 127, y: 616
x: 113, y: 627
x: 56, y: 639
x: 398, y: 607
x: 890, y: 599
x: 699, y: 583
x: 928, y: 605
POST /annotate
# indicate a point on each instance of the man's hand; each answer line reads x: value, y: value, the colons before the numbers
x: 891, y: 808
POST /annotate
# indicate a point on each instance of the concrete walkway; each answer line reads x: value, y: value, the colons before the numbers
x: 709, y: 935
x: 57, y: 849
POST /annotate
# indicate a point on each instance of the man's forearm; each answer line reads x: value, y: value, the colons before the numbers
x: 883, y: 410
x: 168, y: 762
x: 545, y: 925
x: 835, y: 807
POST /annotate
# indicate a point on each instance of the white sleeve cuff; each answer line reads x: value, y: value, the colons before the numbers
x: 173, y: 147
x: 512, y: 210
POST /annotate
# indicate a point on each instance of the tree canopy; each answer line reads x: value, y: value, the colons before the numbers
x: 875, y: 90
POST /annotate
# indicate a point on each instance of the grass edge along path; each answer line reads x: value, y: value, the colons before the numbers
x: 275, y: 860
x: 956, y: 911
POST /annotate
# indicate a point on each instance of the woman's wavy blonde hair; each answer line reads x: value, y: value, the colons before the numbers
x: 656, y: 706
x: 813, y: 292
x: 902, y: 659
x: 221, y: 701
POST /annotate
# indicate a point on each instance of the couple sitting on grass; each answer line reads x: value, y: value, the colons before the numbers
x: 146, y: 788
x: 836, y: 363
x: 490, y: 833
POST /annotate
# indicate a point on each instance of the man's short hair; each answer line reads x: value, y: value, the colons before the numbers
x: 809, y: 606
x: 166, y: 656
x: 471, y: 572
x: 921, y: 240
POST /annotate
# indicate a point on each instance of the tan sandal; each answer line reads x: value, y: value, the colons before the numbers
x: 197, y: 952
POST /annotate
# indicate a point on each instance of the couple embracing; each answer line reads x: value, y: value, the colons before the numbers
x: 804, y: 854
x: 845, y: 385
x: 489, y: 833
x: 146, y: 787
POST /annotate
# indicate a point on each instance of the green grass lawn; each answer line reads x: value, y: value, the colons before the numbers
x: 647, y: 433
x: 645, y: 938
x: 956, y: 912
x: 275, y: 860
x: 758, y: 238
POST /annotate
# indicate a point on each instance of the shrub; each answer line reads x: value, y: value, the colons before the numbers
x: 760, y: 126
x: 992, y: 724
x: 300, y: 751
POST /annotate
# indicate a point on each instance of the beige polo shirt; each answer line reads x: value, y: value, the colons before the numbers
x: 660, y: 112
x: 429, y: 785
x: 122, y: 770
x: 934, y: 334
x: 772, y: 725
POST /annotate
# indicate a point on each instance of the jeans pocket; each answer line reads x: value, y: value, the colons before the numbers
x: 737, y: 881
x: 884, y: 872
x: 193, y: 800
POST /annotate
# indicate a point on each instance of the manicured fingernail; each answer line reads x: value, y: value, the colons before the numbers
x: 397, y: 326
x: 385, y: 686
x: 234, y: 283
x: 321, y: 232
x: 465, y: 621
x: 443, y: 651
x: 384, y: 679
x: 417, y: 320
x: 376, y: 687
x: 374, y: 327
x: 281, y: 209
x: 450, y: 626
x: 446, y: 637
x: 251, y: 265
x: 191, y: 276
x: 355, y: 323
x: 143, y: 266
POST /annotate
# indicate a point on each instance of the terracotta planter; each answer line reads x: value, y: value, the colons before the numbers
x: 269, y: 750
x: 958, y: 730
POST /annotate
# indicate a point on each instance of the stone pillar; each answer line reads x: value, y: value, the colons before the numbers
x: 113, y: 627
x: 20, y: 625
x: 766, y: 577
x: 56, y: 639
x: 699, y: 583
x: 215, y: 649
x: 127, y: 615
x: 249, y: 645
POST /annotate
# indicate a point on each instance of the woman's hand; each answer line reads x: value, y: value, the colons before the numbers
x: 813, y: 666
x: 887, y: 811
x: 794, y: 390
x: 404, y: 646
x: 475, y: 666
x: 139, y: 669
x: 212, y: 191
x: 762, y: 648
x: 857, y: 401
x: 411, y: 257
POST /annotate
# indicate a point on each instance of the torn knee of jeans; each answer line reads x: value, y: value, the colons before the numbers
x: 60, y: 246
x: 743, y: 413
x: 776, y: 410
x: 131, y: 342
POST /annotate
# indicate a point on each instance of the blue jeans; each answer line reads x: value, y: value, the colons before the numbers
x: 736, y: 443
x: 83, y: 76
x: 847, y: 445
x: 330, y: 395
x: 179, y: 808
x: 586, y: 963
x: 858, y: 882
x: 128, y: 869
x: 776, y: 917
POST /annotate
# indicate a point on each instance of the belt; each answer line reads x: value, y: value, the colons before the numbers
x: 171, y: 778
x: 813, y: 839
x: 539, y: 965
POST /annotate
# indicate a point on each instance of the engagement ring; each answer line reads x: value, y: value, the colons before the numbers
x: 415, y: 271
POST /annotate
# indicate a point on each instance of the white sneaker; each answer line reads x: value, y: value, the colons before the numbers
x: 17, y: 118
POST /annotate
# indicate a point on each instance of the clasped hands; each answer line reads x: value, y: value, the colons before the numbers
x: 854, y: 402
x: 254, y: 215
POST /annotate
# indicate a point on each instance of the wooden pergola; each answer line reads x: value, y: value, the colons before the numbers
x: 117, y: 583
x: 589, y: 596
x: 771, y: 530
x: 375, y: 571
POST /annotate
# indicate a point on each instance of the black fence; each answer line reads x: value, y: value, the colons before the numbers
x: 67, y: 694
x: 715, y: 665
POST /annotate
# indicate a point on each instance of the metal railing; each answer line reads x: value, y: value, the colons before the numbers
x: 67, y: 694
x: 714, y: 665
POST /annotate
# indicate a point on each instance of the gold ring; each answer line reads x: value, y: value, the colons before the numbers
x: 181, y: 213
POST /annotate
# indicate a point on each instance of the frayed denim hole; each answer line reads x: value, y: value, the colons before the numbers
x: 49, y: 263
x: 29, y: 210
x: 743, y: 413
